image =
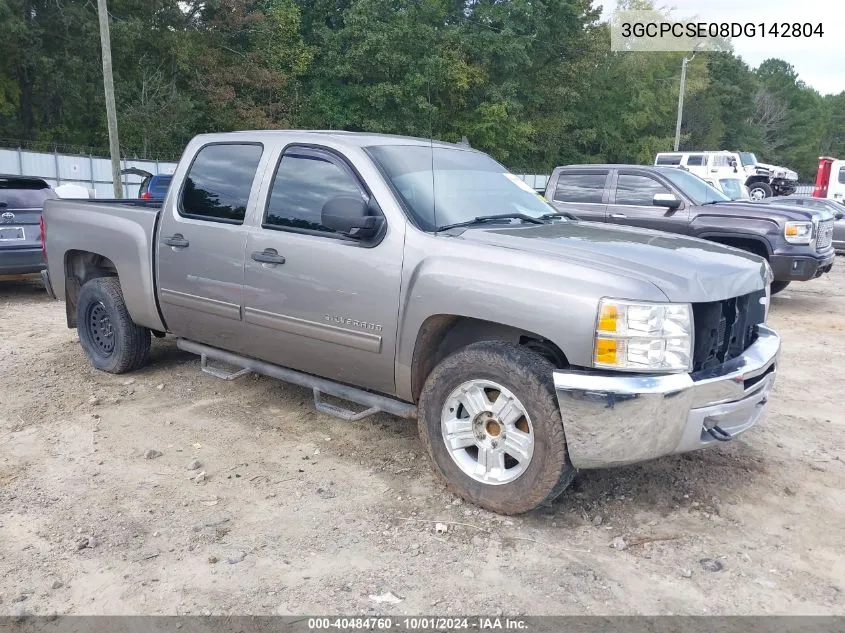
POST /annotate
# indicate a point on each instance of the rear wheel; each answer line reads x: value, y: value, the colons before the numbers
x: 490, y: 421
x: 777, y: 286
x: 109, y: 336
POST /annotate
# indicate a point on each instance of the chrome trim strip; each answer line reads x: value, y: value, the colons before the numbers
x: 201, y: 304
x: 319, y: 331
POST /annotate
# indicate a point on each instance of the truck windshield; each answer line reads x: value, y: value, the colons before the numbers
x: 441, y: 185
x: 747, y: 158
x: 693, y: 187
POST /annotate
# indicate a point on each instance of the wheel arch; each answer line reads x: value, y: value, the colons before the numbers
x: 751, y: 180
x: 80, y: 267
x: 443, y: 334
x: 756, y: 245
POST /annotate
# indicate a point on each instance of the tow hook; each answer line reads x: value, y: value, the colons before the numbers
x: 719, y: 433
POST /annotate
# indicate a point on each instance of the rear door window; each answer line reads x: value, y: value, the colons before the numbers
x: 219, y: 181
x: 695, y: 160
x: 842, y: 175
x: 583, y: 187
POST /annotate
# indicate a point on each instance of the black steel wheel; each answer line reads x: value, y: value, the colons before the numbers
x: 109, y: 336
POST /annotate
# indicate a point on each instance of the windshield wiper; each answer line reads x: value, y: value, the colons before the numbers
x: 559, y: 214
x: 491, y: 218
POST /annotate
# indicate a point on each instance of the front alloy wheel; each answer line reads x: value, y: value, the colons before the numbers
x: 487, y: 432
x: 489, y: 418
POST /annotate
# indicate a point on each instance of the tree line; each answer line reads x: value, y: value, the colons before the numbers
x: 532, y: 82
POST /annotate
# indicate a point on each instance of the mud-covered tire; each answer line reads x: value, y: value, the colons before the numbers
x: 778, y: 286
x: 528, y: 377
x: 111, y: 339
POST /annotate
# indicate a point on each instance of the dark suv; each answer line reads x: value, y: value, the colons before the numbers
x: 21, y: 201
x: 797, y: 242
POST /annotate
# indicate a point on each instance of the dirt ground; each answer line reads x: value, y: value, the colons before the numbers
x: 301, y: 513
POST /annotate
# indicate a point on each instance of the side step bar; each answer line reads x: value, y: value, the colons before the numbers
x: 375, y: 402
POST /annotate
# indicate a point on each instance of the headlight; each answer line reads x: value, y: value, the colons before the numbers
x: 780, y: 173
x: 643, y: 336
x: 798, y: 232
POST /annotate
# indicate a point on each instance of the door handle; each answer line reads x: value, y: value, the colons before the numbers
x: 177, y: 241
x: 268, y: 256
x: 618, y: 216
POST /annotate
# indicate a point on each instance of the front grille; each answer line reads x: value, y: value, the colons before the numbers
x: 825, y: 235
x: 725, y: 329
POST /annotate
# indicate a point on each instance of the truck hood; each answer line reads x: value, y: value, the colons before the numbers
x: 777, y: 208
x: 779, y: 172
x: 684, y: 269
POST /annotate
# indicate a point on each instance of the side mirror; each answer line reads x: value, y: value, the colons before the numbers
x: 350, y: 216
x: 838, y: 215
x: 668, y: 200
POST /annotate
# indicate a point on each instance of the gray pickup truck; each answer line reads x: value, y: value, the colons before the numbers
x: 422, y: 279
x: 797, y: 242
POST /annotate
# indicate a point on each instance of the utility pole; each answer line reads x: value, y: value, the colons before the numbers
x: 681, y: 96
x: 108, y: 86
x: 680, y: 99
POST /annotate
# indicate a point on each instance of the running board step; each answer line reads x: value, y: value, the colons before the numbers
x: 222, y: 374
x: 374, y: 402
x: 340, y: 412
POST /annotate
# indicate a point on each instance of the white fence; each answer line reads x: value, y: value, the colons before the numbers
x: 87, y: 171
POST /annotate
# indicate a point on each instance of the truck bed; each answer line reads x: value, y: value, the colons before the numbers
x: 122, y: 231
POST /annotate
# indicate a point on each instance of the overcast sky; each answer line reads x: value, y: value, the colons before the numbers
x: 820, y: 63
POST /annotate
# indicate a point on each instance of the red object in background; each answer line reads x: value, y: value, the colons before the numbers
x: 147, y: 195
x: 822, y: 177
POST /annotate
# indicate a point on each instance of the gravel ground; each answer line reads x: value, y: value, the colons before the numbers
x: 170, y: 492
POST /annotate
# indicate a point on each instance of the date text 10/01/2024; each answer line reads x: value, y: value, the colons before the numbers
x: 418, y: 624
x: 657, y: 30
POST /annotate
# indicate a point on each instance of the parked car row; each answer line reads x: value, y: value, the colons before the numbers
x: 797, y: 242
x: 763, y: 180
x: 21, y: 202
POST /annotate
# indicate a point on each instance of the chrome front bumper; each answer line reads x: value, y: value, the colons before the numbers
x: 617, y: 419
